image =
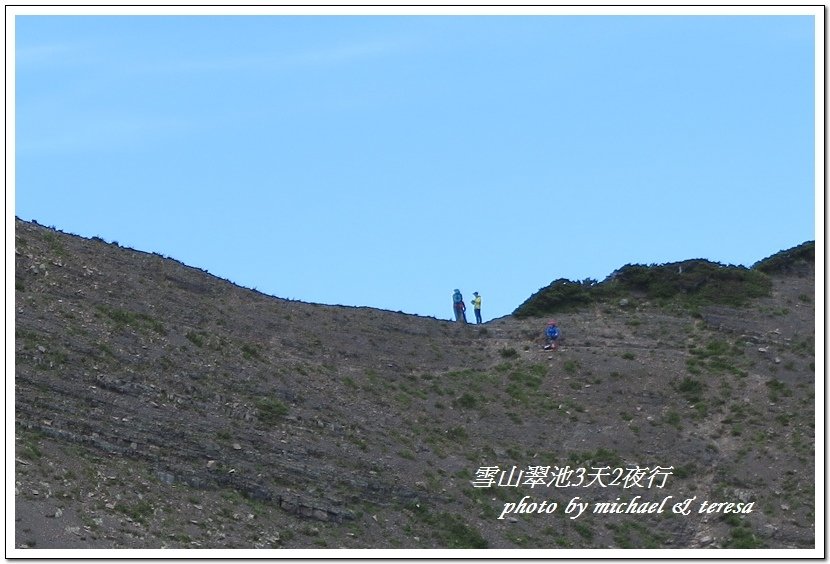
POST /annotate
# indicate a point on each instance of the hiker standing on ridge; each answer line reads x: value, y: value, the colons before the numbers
x: 477, y: 306
x: 458, y: 306
x: 551, y: 336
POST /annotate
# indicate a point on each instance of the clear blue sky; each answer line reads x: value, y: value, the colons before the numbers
x: 384, y: 161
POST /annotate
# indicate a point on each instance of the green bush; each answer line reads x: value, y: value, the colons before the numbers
x: 797, y: 259
x: 270, y: 410
x: 694, y: 282
x: 467, y: 401
x: 453, y: 532
x: 450, y: 530
x: 561, y: 295
x: 457, y: 434
x: 530, y: 379
x: 508, y: 353
x: 195, y: 338
x: 123, y: 317
x: 251, y: 352
x: 743, y: 537
x: 139, y: 511
x: 690, y: 283
x: 599, y: 457
x: 690, y: 388
x: 716, y: 357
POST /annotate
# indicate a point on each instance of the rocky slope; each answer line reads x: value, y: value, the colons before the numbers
x: 157, y: 406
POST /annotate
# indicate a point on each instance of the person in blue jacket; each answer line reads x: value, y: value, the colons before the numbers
x: 551, y: 335
x: 458, y: 306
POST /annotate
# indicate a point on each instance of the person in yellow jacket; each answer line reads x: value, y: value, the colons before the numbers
x: 477, y: 306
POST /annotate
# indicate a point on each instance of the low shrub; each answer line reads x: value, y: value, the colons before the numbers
x: 270, y: 410
x: 690, y: 283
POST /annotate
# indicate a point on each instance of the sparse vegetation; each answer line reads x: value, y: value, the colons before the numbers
x: 122, y: 317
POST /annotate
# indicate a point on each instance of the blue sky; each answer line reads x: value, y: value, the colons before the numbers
x: 385, y: 160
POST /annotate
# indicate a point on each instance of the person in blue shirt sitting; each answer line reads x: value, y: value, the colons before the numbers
x: 551, y: 335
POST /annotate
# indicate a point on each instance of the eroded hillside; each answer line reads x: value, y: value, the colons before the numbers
x: 159, y: 406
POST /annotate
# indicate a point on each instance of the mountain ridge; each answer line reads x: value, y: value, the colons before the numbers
x: 799, y: 259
